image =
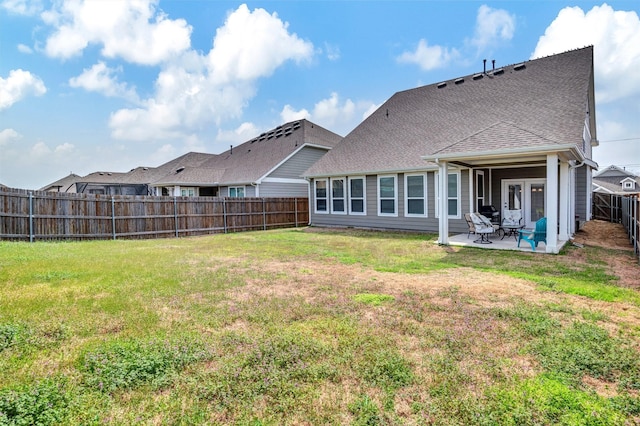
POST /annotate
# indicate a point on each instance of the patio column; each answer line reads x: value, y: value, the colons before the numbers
x: 552, y: 203
x: 565, y: 202
x: 443, y: 210
x: 176, y: 191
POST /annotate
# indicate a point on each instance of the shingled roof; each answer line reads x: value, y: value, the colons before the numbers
x: 250, y: 161
x: 537, y: 103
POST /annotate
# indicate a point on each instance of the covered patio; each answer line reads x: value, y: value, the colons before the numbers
x: 498, y: 243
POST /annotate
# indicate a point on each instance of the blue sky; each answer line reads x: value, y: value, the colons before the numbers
x: 109, y: 85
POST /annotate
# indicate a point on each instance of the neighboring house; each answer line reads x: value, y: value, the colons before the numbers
x: 617, y: 181
x: 516, y: 137
x: 269, y: 165
x: 63, y: 185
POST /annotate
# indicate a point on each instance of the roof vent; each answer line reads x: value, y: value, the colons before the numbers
x: 477, y: 76
x: 441, y: 85
x: 459, y: 81
x: 179, y: 169
x: 519, y: 67
x: 498, y: 71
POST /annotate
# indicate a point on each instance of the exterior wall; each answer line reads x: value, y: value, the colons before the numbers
x: 497, y: 175
x: 283, y: 189
x: 372, y: 220
x: 295, y: 166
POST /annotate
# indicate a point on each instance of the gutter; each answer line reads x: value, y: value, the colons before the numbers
x: 502, y: 152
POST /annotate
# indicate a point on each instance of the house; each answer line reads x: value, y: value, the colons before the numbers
x: 269, y: 165
x: 62, y: 185
x: 616, y: 180
x: 515, y: 137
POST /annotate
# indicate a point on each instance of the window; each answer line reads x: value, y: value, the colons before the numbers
x: 479, y: 190
x: 416, y: 195
x: 188, y: 192
x: 356, y: 196
x: 338, y: 196
x: 454, y: 195
x: 629, y: 184
x: 321, y: 196
x: 236, y: 191
x: 387, y: 196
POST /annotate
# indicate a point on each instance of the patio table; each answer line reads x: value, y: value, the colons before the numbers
x: 511, y: 230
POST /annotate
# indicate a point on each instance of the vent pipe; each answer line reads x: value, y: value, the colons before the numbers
x: 493, y: 63
x: 484, y: 65
x: 231, y: 150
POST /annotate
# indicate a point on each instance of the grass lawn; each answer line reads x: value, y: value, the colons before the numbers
x: 309, y: 326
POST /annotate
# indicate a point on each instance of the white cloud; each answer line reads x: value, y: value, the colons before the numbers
x: 17, y: 86
x: 615, y: 36
x: 289, y: 114
x: 100, y: 78
x: 65, y: 148
x: 8, y: 135
x: 332, y: 113
x: 428, y: 57
x: 332, y: 51
x: 40, y: 149
x: 198, y: 90
x: 22, y: 7
x: 23, y: 48
x: 492, y: 26
x: 239, y: 135
x: 132, y: 30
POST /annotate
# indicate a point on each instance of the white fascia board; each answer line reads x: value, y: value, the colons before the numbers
x: 426, y: 168
x: 283, y: 180
x: 506, y: 153
x: 288, y: 157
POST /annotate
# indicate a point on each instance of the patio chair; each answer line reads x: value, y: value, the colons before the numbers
x: 534, y: 236
x: 512, y: 218
x: 483, y: 227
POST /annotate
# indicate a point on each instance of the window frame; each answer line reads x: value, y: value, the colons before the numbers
x: 407, y: 198
x: 191, y: 191
x: 363, y: 198
x: 244, y: 193
x: 343, y: 198
x: 316, y: 198
x: 457, y: 173
x: 395, y: 196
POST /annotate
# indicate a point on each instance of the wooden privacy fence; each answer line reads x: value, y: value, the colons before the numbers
x: 622, y: 209
x: 37, y: 215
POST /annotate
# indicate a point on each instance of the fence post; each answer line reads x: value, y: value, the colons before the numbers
x: 264, y: 216
x: 113, y: 217
x: 30, y: 217
x: 295, y: 204
x: 224, y: 214
x: 175, y: 213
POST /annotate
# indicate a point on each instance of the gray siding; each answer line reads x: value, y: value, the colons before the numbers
x: 371, y: 220
x: 497, y: 175
x: 582, y: 186
x: 295, y: 166
x: 275, y: 189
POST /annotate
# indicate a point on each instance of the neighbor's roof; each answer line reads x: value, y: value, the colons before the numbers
x: 62, y: 184
x: 538, y: 103
x: 250, y: 161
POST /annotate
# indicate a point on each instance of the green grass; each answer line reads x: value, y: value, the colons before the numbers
x: 330, y: 327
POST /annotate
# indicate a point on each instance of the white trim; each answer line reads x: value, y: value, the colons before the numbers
x: 343, y: 198
x: 509, y: 152
x: 551, y: 208
x: 283, y: 180
x: 363, y: 198
x: 395, y: 196
x: 424, y: 195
